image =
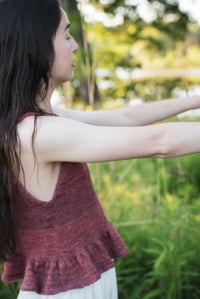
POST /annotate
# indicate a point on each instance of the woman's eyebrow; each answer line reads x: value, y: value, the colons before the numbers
x: 67, y: 27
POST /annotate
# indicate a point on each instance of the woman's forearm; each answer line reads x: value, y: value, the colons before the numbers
x: 155, y: 111
x: 137, y: 115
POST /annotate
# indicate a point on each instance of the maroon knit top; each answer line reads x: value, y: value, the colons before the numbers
x: 65, y: 243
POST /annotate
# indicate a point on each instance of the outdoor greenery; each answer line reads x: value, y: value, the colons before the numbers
x: 155, y: 205
x: 169, y: 41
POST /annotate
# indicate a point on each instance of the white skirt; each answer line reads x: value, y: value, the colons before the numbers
x: 104, y: 288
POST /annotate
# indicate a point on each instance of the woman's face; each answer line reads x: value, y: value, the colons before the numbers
x: 64, y: 47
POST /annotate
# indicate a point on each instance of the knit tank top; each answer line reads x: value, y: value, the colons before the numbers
x: 65, y: 243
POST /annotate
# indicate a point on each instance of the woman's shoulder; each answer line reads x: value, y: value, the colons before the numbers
x: 27, y: 130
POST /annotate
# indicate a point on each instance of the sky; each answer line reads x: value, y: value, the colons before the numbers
x: 192, y: 6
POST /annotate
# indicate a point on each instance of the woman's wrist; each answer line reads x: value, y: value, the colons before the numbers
x: 194, y: 101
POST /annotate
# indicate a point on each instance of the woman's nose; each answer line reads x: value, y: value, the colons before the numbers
x: 75, y: 45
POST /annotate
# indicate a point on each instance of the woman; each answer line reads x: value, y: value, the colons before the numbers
x: 53, y: 232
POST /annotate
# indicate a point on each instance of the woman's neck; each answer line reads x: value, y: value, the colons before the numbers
x: 45, y: 102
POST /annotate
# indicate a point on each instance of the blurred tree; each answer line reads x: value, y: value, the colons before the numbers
x: 153, y: 25
x: 164, y: 15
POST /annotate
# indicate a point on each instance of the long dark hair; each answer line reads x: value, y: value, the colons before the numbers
x: 27, y: 28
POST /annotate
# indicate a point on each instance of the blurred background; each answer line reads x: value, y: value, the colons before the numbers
x: 133, y: 51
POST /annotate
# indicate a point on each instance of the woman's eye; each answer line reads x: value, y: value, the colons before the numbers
x: 68, y: 37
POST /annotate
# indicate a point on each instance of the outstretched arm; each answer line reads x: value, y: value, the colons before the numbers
x: 137, y: 115
x: 61, y: 139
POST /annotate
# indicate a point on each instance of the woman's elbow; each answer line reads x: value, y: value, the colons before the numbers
x: 164, y: 146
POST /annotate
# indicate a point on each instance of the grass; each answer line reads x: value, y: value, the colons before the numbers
x: 154, y: 204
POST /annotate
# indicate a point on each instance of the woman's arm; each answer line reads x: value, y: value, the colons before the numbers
x: 137, y: 115
x: 60, y: 139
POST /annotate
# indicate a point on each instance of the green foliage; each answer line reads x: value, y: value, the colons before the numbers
x: 171, y: 40
x: 168, y: 17
x: 148, y: 89
x: 147, y: 49
x: 155, y: 206
x: 8, y: 291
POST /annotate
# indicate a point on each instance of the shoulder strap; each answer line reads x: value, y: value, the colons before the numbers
x: 27, y: 114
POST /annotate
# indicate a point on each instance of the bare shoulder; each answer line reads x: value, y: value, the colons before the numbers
x: 30, y: 129
x: 37, y: 138
x: 25, y: 130
x: 46, y: 134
